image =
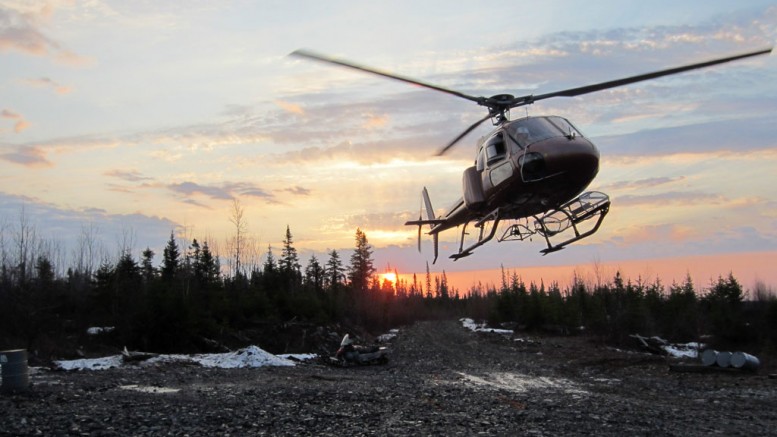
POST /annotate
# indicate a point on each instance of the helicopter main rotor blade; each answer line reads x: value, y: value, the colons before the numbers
x: 571, y: 92
x: 462, y: 135
x: 322, y: 58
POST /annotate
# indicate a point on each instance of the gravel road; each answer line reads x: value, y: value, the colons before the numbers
x: 442, y: 380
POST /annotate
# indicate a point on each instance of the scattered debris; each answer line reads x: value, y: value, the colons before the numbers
x: 659, y: 346
x: 483, y: 327
x: 99, y: 330
x: 130, y: 356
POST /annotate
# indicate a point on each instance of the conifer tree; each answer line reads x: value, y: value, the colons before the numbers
x: 334, y: 271
x: 209, y: 265
x: 146, y: 265
x: 314, y: 274
x: 289, y: 262
x: 361, y: 269
x: 170, y: 260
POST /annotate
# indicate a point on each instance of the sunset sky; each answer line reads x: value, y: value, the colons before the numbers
x: 128, y: 120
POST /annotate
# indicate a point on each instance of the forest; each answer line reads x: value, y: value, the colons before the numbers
x: 188, y: 302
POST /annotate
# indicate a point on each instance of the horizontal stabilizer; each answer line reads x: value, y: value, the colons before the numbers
x: 425, y: 222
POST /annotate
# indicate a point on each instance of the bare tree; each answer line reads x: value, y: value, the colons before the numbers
x: 126, y: 241
x: 87, y: 249
x: 241, y: 227
x: 24, y: 240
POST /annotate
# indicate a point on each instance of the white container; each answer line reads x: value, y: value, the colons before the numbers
x: 709, y: 357
x: 741, y: 360
x: 724, y: 359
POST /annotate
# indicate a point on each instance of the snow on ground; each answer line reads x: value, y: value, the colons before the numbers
x: 251, y: 356
x: 385, y: 338
x: 99, y: 330
x: 520, y: 383
x: 91, y: 363
x: 687, y: 350
x: 481, y: 327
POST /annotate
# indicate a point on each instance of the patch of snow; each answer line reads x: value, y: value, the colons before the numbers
x: 298, y: 357
x: 149, y: 389
x: 687, y: 350
x: 251, y: 356
x: 385, y: 338
x: 520, y: 383
x: 99, y: 330
x: 481, y: 327
x: 91, y: 363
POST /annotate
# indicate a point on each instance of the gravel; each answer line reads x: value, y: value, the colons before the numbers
x: 442, y: 380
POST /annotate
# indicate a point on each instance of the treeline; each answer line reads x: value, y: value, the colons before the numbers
x: 184, y: 300
x: 723, y: 315
x: 188, y: 302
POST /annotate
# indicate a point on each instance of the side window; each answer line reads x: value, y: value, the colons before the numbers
x: 495, y: 148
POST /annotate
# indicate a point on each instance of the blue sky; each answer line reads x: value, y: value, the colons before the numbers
x: 127, y: 120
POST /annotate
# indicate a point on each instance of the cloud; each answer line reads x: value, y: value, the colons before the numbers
x: 68, y: 227
x: 45, y: 82
x: 297, y: 190
x: 27, y: 156
x: 20, y: 123
x: 225, y: 191
x: 290, y: 107
x: 20, y: 31
x: 192, y: 188
x: 641, y: 183
x: 722, y: 135
x: 375, y: 121
x: 127, y: 175
x: 669, y: 198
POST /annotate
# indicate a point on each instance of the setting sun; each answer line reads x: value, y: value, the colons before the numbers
x: 390, y: 277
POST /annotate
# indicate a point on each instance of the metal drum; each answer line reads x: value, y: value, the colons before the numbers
x: 724, y: 359
x: 741, y: 360
x: 16, y: 376
x: 709, y: 357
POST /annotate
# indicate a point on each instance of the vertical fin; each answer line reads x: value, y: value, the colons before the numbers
x: 428, y: 204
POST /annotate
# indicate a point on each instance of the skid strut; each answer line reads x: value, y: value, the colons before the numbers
x: 589, y: 205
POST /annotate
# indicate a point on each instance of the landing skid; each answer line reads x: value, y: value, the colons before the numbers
x: 589, y: 205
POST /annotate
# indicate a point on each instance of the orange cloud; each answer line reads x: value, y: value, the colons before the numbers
x: 20, y: 124
x: 290, y: 107
x: 375, y: 121
x: 45, y: 82
x: 21, y: 32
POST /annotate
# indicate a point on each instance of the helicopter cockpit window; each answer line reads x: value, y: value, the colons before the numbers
x: 565, y: 126
x: 495, y: 149
x: 531, y: 130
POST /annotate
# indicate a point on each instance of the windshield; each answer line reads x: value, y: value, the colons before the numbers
x: 531, y: 130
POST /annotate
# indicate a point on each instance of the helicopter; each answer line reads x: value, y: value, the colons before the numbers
x: 530, y: 171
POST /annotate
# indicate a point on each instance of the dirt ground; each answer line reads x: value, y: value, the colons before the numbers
x: 442, y: 380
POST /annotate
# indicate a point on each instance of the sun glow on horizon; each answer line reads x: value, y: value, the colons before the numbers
x: 389, y: 277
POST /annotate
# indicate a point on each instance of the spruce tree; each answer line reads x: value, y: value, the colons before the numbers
x: 146, y: 265
x: 314, y: 274
x: 289, y: 262
x: 170, y: 260
x: 361, y: 269
x: 334, y: 271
